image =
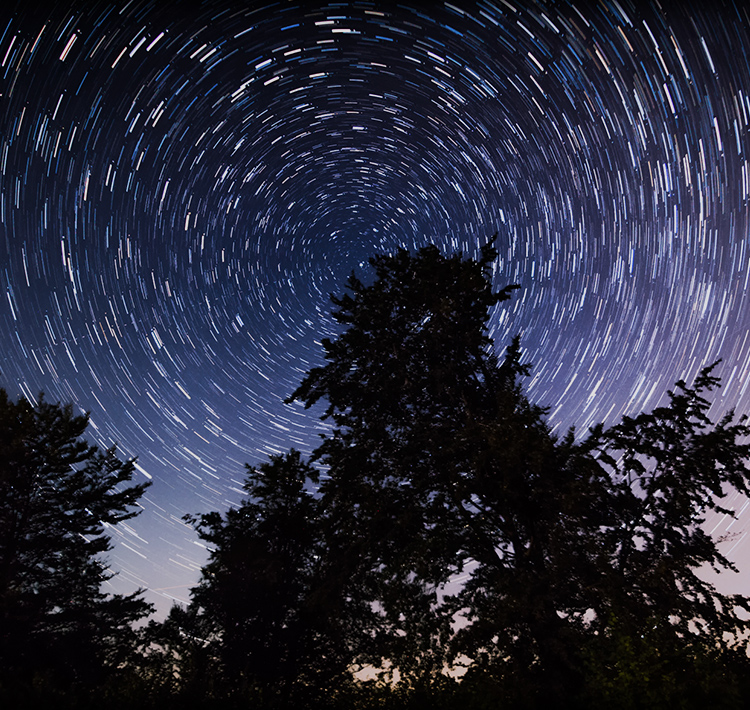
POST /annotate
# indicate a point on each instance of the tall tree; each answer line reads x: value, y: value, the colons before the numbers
x: 412, y: 369
x: 533, y: 505
x: 57, y: 494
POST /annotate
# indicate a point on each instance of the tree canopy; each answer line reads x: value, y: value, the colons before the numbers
x: 442, y: 546
x: 57, y: 495
x: 579, y: 558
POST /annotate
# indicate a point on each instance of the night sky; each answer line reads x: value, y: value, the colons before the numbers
x: 181, y: 187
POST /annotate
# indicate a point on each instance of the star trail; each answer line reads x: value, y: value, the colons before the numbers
x: 181, y: 187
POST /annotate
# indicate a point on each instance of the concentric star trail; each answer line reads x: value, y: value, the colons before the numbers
x: 181, y: 187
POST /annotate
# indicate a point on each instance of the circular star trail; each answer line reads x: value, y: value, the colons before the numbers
x: 181, y: 187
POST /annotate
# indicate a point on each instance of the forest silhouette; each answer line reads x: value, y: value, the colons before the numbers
x: 332, y: 583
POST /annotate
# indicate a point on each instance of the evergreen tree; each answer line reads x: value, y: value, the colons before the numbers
x: 667, y: 470
x: 57, y: 494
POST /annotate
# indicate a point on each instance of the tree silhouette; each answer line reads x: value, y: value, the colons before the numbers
x: 667, y: 470
x: 57, y: 494
x: 411, y: 373
x: 579, y: 558
x: 256, y: 591
x: 439, y: 464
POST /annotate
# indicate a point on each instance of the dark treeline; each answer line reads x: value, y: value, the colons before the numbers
x: 332, y: 584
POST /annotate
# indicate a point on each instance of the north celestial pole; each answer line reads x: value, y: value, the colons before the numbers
x: 182, y: 186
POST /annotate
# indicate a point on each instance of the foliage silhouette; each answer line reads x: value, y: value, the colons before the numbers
x: 411, y: 371
x: 439, y: 465
x: 260, y: 596
x: 579, y: 558
x: 57, y: 494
